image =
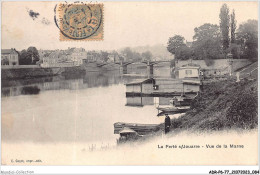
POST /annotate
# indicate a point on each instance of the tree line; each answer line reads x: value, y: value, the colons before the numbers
x: 211, y: 41
x: 31, y: 56
x: 131, y: 55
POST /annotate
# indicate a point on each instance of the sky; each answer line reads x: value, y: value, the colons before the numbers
x: 126, y: 24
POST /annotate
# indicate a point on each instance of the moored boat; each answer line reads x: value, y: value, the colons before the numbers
x: 182, y: 100
x: 174, y: 109
x: 141, y: 129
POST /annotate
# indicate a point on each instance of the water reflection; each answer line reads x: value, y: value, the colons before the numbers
x: 35, y: 86
x: 90, y: 80
x: 30, y: 90
x: 66, y: 109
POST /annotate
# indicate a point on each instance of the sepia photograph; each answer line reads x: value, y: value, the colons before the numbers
x: 129, y: 83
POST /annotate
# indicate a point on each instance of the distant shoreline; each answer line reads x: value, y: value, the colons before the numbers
x: 33, y: 71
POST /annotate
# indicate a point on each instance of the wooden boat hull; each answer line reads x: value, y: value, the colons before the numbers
x: 141, y: 129
x: 173, y: 109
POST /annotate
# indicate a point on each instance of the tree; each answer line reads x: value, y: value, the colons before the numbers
x: 137, y: 57
x: 183, y: 53
x: 207, y: 49
x: 247, y: 37
x: 233, y: 26
x: 207, y: 42
x: 29, y: 56
x: 205, y: 31
x: 25, y: 58
x: 235, y: 50
x: 172, y: 63
x: 174, y: 43
x: 224, y: 26
x: 147, y: 55
x: 33, y: 53
x: 128, y: 53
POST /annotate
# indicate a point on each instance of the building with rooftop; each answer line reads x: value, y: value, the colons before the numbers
x: 9, y: 57
x: 189, y: 71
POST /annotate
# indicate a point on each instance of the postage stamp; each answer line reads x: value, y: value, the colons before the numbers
x: 80, y: 21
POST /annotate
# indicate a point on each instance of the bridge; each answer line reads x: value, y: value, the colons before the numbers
x: 123, y: 65
x: 149, y: 64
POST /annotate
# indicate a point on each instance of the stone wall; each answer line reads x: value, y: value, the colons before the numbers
x: 217, y: 64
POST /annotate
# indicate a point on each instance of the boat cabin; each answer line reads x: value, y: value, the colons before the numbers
x: 141, y: 86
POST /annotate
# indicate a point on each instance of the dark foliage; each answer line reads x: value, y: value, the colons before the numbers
x: 222, y: 105
x: 30, y: 90
x: 174, y: 43
x: 224, y: 26
x: 243, y: 111
x: 29, y: 56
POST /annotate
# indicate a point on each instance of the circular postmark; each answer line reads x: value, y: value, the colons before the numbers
x: 78, y: 21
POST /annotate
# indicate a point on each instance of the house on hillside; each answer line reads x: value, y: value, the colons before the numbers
x: 9, y: 57
x: 218, y: 68
x: 188, y: 71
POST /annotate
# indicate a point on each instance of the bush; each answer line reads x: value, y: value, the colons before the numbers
x: 243, y: 111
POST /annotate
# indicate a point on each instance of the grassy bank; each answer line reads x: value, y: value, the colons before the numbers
x: 22, y: 73
x: 38, y: 72
x: 222, y: 105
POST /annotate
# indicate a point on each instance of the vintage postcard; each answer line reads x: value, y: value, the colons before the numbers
x: 129, y: 83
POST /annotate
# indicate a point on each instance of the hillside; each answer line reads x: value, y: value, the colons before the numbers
x: 222, y: 105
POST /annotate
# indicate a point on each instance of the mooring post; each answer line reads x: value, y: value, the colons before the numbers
x: 238, y: 79
x: 124, y: 69
x: 121, y: 69
x: 149, y: 70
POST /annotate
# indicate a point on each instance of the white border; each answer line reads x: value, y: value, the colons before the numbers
x: 128, y: 169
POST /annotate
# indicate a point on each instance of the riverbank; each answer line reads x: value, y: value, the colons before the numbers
x: 224, y: 105
x: 23, y: 72
x: 30, y: 72
x: 221, y: 105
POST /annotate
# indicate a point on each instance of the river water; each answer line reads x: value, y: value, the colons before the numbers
x: 70, y: 109
x: 58, y: 120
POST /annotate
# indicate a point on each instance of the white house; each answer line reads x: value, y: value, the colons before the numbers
x: 189, y: 71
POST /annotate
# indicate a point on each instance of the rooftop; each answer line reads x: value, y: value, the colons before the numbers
x: 142, y: 81
x: 8, y: 51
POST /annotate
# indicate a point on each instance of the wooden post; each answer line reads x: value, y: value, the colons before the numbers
x: 150, y: 70
x: 238, y: 79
